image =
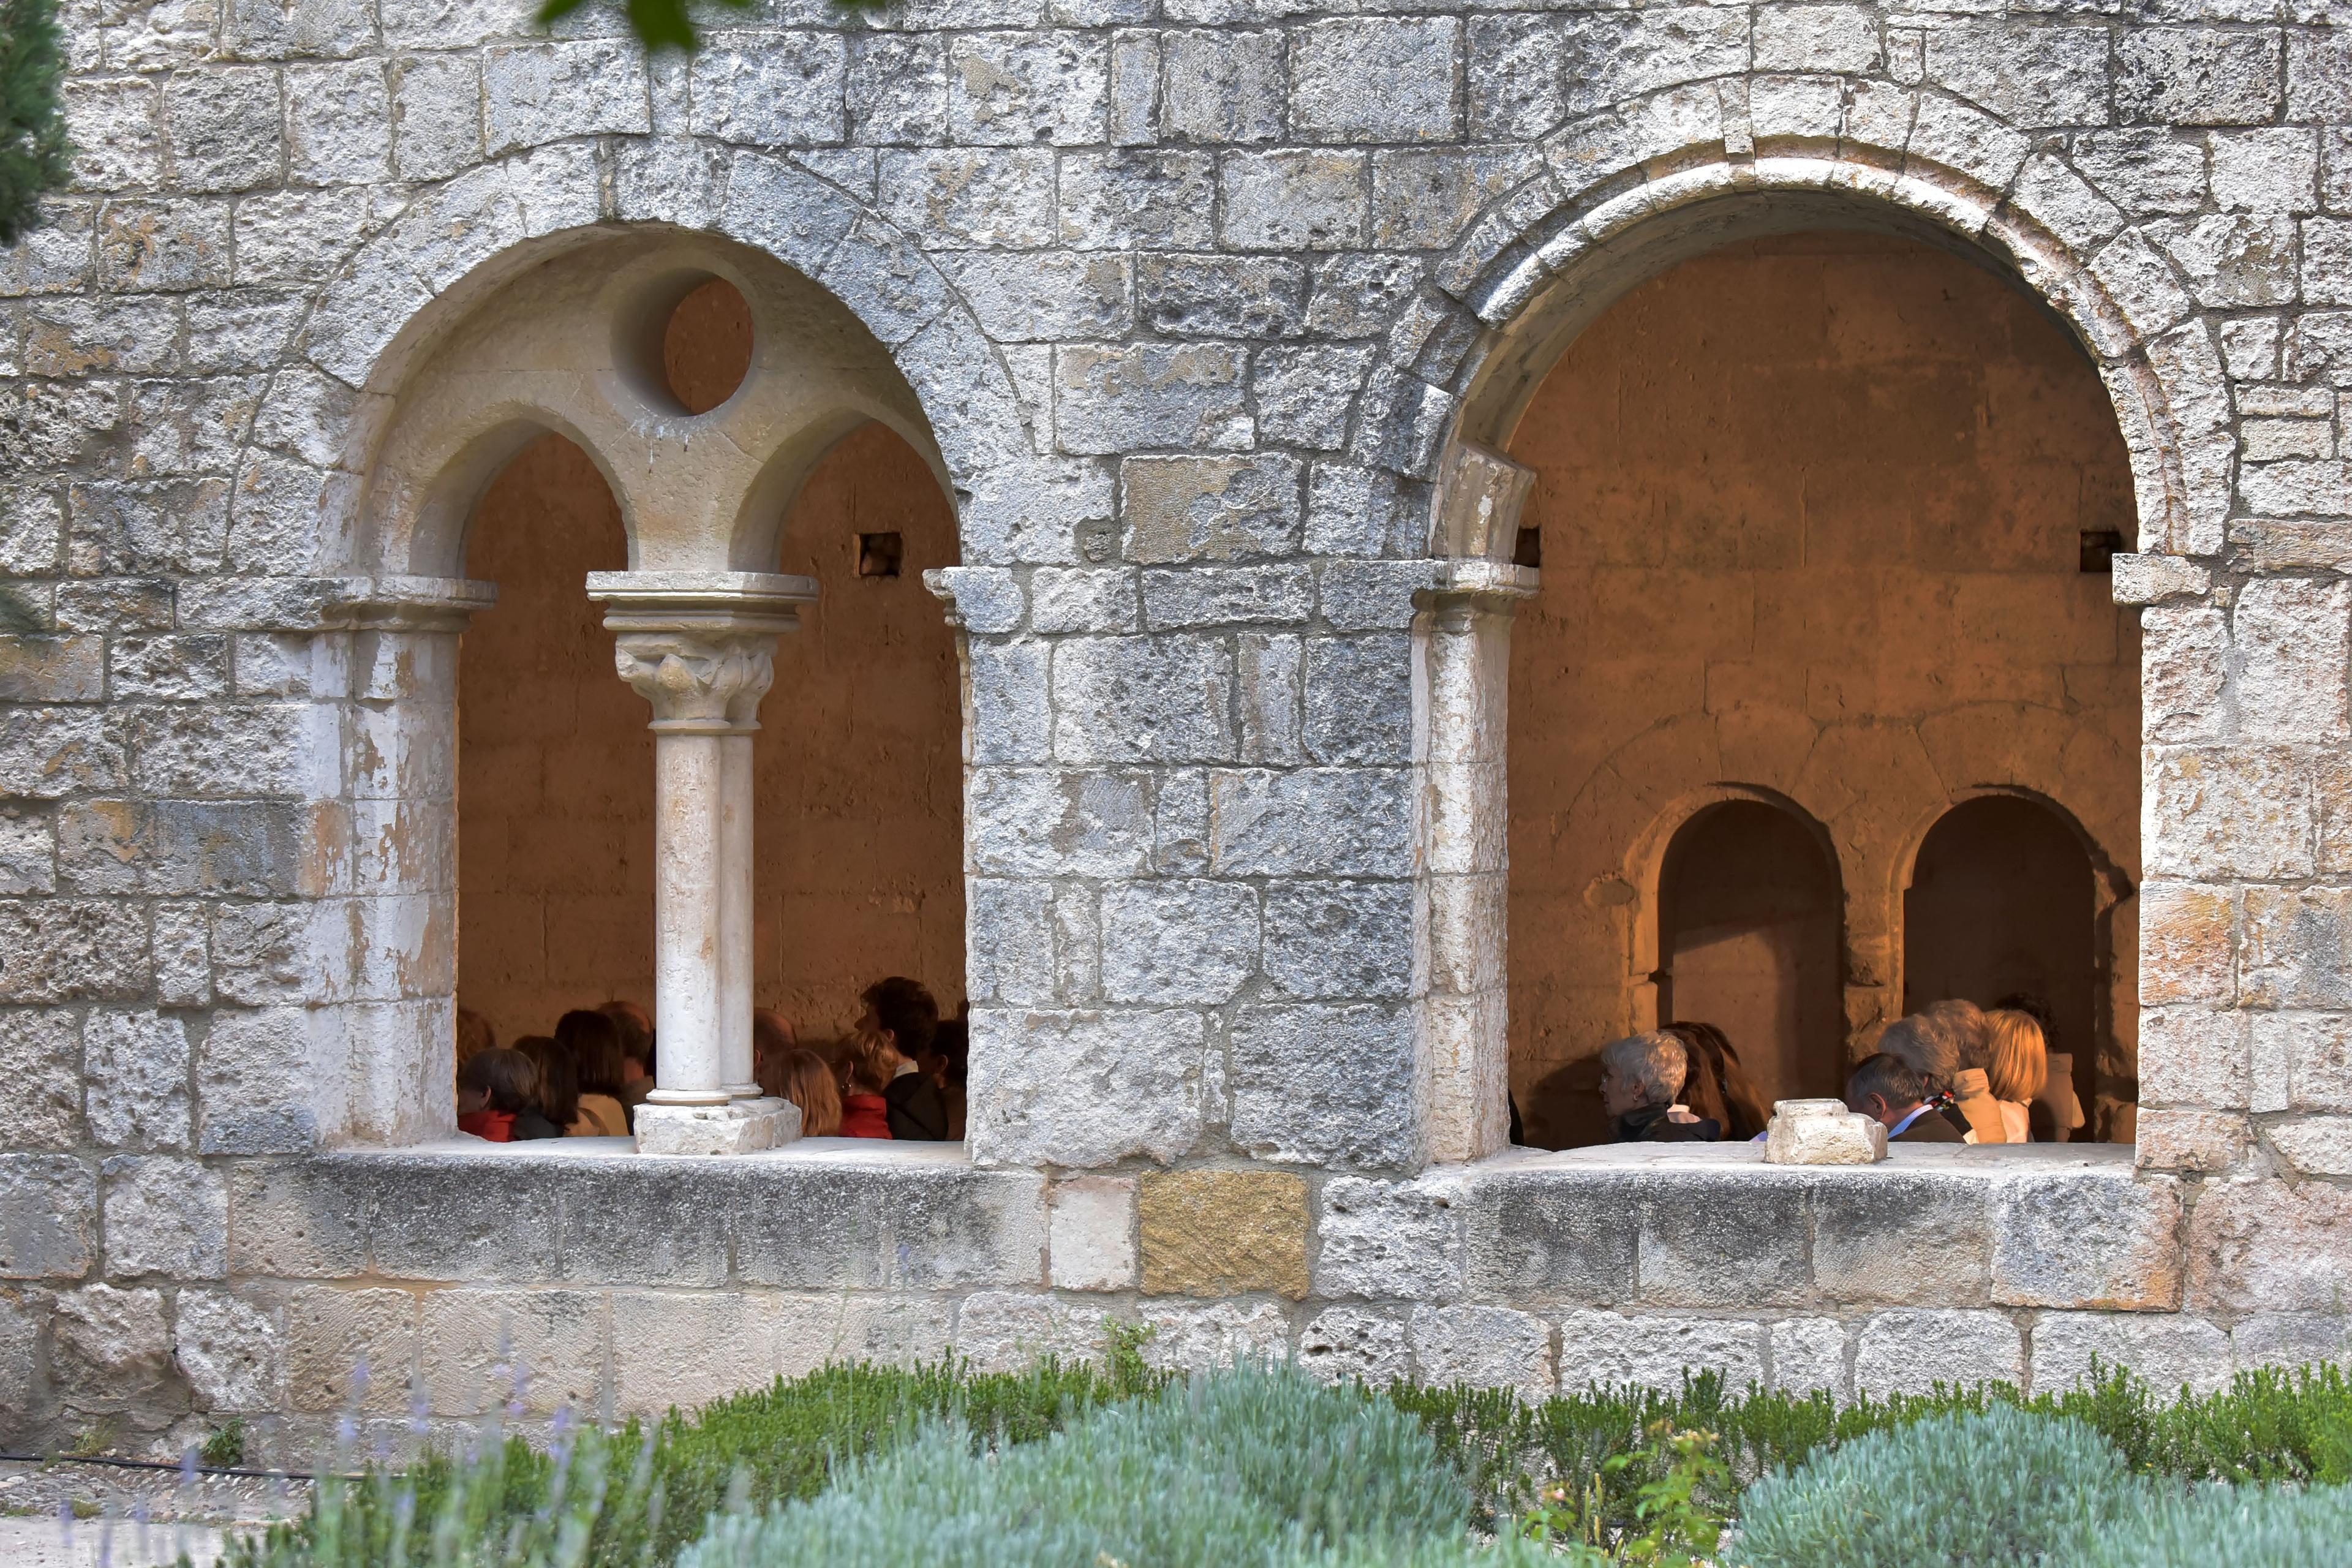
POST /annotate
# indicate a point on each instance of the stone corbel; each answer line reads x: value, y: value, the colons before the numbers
x: 413, y: 603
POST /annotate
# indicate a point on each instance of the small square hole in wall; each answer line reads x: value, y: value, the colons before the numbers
x: 1529, y: 551
x: 878, y: 554
x: 2100, y: 547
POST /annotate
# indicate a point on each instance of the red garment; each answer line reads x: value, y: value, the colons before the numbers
x: 497, y: 1126
x: 864, y: 1116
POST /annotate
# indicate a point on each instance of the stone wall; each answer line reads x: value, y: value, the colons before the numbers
x: 1211, y: 321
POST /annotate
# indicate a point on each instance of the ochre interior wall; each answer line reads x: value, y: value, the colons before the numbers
x: 1810, y: 511
x: 859, y: 825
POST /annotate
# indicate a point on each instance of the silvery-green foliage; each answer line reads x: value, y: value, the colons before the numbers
x: 2248, y: 1526
x: 2004, y: 1487
x: 1255, y: 1467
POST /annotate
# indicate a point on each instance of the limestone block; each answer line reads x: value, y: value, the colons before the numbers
x: 1222, y: 1233
x: 2198, y: 76
x: 2191, y: 1140
x: 937, y: 1226
x: 1894, y: 1236
x: 1020, y: 89
x: 1809, y: 1354
x: 2228, y: 811
x: 2291, y: 1339
x: 744, y: 1127
x: 2153, y: 579
x: 1341, y: 939
x: 896, y: 1330
x: 436, y: 115
x: 1220, y: 86
x: 20, y: 1343
x: 2291, y: 635
x: 1294, y: 200
x: 1391, y: 1239
x: 255, y: 1083
x: 1149, y: 698
x: 1085, y: 1088
x: 1367, y: 596
x: 1251, y: 298
x: 65, y: 950
x: 136, y: 1066
x: 1333, y: 822
x: 1610, y: 57
x: 1304, y: 395
x: 1546, y: 1236
x: 293, y: 1220
x: 52, y: 668
x: 1058, y: 822
x: 1268, y: 675
x: 1152, y: 199
x: 783, y: 92
x: 1359, y: 699
x: 1090, y: 1234
x: 2187, y: 942
x: 48, y: 1209
x: 165, y: 1216
x: 1023, y: 298
x: 1361, y: 1343
x: 2194, y: 1057
x: 1006, y: 1330
x: 2172, y: 1351
x: 1822, y: 1132
x: 679, y: 1349
x: 224, y: 128
x: 1609, y: 1350
x: 1376, y: 79
x: 112, y: 1348
x: 1909, y: 1351
x: 897, y: 88
x: 1484, y: 1347
x: 1723, y: 1241
x: 1329, y: 1085
x: 1210, y: 509
x: 40, y: 1060
x: 1110, y: 400
x: 2084, y: 1240
x: 2316, y: 1146
x: 541, y: 92
x: 1238, y: 595
x: 1083, y: 599
x: 45, y: 753
x: 1186, y: 1335
x: 2272, y: 170
x: 543, y: 1350
x: 230, y: 1351
x: 628, y: 1224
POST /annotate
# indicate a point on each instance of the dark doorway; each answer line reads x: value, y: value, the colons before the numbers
x: 2003, y: 899
x: 1749, y: 913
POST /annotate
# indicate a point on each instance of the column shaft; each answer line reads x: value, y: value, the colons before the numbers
x: 690, y: 831
x: 737, y: 1071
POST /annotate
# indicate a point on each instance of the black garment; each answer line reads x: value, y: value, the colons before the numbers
x: 1518, y: 1128
x: 530, y: 1124
x: 1928, y: 1127
x: 917, y: 1111
x: 1650, y: 1125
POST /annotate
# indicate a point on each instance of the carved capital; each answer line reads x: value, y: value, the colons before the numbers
x: 698, y: 682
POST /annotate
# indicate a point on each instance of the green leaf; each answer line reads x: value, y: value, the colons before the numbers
x: 33, y: 147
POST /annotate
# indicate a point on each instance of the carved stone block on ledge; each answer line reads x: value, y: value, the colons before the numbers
x: 739, y: 1127
x: 1822, y: 1132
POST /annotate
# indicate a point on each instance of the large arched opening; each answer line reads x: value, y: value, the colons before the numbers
x: 1824, y: 516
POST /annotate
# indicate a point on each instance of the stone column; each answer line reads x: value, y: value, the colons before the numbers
x: 698, y: 648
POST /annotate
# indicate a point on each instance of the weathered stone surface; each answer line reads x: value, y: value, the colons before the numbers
x: 684, y: 1347
x: 1214, y: 1333
x: 49, y: 1211
x: 112, y: 1347
x: 1541, y: 1236
x: 167, y: 1217
x: 1809, y: 1354
x: 889, y: 1330
x: 1326, y: 1084
x: 1485, y: 1347
x: 2074, y: 1240
x: 1722, y: 1241
x: 137, y: 1065
x: 1125, y: 700
x: 542, y: 1350
x: 2171, y: 1350
x: 230, y: 1351
x: 1897, y: 1237
x: 1003, y: 1331
x: 1339, y: 822
x: 1091, y: 1239
x: 2291, y: 1338
x: 1611, y: 1350
x: 1906, y: 1351
x: 1210, y: 509
x: 1389, y: 1239
x: 1822, y: 1132
x: 1222, y: 1233
x: 1365, y: 1344
x: 40, y: 1060
x: 1177, y: 942
x: 2266, y: 1246
x: 1085, y: 1088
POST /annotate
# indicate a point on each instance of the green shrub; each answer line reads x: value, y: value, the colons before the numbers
x: 2004, y: 1487
x: 1256, y: 1466
x: 2244, y: 1526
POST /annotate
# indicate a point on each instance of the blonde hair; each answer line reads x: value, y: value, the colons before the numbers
x: 2016, y: 1060
x: 809, y: 1083
x: 870, y: 1062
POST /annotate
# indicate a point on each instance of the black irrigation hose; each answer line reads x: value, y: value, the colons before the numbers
x: 46, y: 1459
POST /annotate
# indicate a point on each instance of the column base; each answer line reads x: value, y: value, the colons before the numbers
x: 742, y: 1127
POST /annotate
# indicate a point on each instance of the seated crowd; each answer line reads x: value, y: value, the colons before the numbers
x: 1952, y: 1073
x: 898, y: 1073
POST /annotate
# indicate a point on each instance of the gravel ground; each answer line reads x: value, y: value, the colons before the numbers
x: 111, y: 1504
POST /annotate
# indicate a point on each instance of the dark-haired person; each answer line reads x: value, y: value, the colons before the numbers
x: 903, y: 1016
x: 636, y: 1052
x: 1888, y: 1090
x: 594, y: 1043
x: 1717, y: 1088
x: 555, y: 1104
x: 494, y: 1088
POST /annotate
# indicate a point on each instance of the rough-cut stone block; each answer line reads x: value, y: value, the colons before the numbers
x: 1222, y: 1233
x: 1332, y: 1085
x: 1360, y: 1343
x: 1722, y: 1241
x: 1210, y: 509
x: 111, y: 1348
x: 1376, y: 79
x: 1546, y: 1235
x: 1112, y: 400
x: 230, y: 1351
x: 1090, y: 1234
x: 679, y: 1349
x: 1893, y: 1237
x: 2291, y: 1339
x: 1609, y: 1350
x: 1294, y: 200
x: 889, y: 1330
x: 2316, y: 1146
x: 41, y: 1060
x: 1341, y: 939
x: 2171, y: 1350
x: 49, y: 1211
x: 1058, y: 822
x: 1822, y: 1132
x: 744, y: 1127
x: 1809, y: 1355
x: 1085, y: 1088
x: 1185, y: 1335
x: 1123, y: 699
x: 1177, y: 942
x: 938, y: 1224
x: 1906, y: 1351
x: 1484, y: 1347
x: 1004, y: 1330
x: 2087, y: 1240
x: 542, y: 1350
x: 165, y: 1217
x: 137, y: 1069
x: 1333, y: 822
x: 350, y: 1350
x: 1393, y: 1240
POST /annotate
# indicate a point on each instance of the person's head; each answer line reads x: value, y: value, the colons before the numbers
x: 474, y: 1034
x: 558, y: 1083
x: 808, y: 1082
x: 1642, y: 1070
x: 1962, y: 1022
x: 593, y: 1041
x: 637, y: 1031
x: 869, y: 1061
x: 951, y: 1051
x: 1703, y: 1080
x: 496, y: 1080
x: 2017, y: 1062
x: 1885, y: 1088
x: 2035, y: 1008
x: 1922, y: 1047
x: 903, y: 1010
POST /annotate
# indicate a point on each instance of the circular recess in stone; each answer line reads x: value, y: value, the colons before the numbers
x: 686, y: 347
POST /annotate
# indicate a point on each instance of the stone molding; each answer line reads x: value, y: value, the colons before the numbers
x: 699, y: 646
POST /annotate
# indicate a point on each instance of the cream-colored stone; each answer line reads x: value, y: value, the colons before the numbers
x: 1822, y: 1132
x: 1222, y: 1233
x: 1090, y: 1234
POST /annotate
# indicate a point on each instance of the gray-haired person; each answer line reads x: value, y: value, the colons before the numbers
x: 1640, y: 1076
x: 1933, y: 1055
